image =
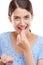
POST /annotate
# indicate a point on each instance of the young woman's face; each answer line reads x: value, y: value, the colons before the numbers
x: 21, y: 19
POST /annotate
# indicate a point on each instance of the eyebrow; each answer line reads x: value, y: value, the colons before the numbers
x: 24, y: 16
x: 15, y: 16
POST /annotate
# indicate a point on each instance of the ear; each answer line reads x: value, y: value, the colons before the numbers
x: 9, y: 18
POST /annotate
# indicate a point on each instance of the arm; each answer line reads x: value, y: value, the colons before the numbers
x: 23, y: 43
x: 29, y: 58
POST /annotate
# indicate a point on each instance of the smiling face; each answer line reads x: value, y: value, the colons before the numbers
x: 21, y: 19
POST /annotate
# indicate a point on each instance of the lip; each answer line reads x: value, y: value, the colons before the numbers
x: 22, y: 28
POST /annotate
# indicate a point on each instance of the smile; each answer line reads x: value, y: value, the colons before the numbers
x: 22, y: 28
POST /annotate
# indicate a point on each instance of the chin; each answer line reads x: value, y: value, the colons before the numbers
x: 21, y: 31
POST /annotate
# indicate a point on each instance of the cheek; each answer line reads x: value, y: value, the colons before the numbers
x: 28, y: 22
x: 15, y: 23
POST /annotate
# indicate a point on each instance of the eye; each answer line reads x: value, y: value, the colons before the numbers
x: 16, y: 18
x: 26, y: 17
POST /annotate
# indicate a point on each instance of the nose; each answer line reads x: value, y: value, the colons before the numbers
x: 22, y: 23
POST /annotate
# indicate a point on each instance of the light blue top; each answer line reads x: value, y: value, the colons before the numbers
x: 6, y: 48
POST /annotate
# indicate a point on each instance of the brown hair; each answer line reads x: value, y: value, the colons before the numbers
x: 25, y: 4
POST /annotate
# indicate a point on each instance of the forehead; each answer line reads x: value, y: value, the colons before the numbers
x: 21, y: 12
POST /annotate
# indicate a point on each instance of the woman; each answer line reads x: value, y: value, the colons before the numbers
x: 21, y: 47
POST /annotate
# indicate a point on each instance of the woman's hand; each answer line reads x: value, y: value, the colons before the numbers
x: 6, y: 59
x: 23, y: 42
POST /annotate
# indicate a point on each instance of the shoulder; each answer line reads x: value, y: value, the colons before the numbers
x: 4, y: 35
x: 3, y: 41
x: 40, y: 56
x: 40, y: 42
x: 41, y: 39
x: 38, y: 38
x: 4, y: 38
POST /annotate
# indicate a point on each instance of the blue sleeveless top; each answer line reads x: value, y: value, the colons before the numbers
x: 6, y: 48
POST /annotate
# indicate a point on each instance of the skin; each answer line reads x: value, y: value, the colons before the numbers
x: 22, y: 38
x: 21, y: 18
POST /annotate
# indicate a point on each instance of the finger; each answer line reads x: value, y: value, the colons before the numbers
x: 18, y: 39
x: 23, y: 36
x: 9, y: 60
x: 6, y: 59
x: 3, y: 58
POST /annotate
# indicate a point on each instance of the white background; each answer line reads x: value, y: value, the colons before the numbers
x: 37, y: 23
